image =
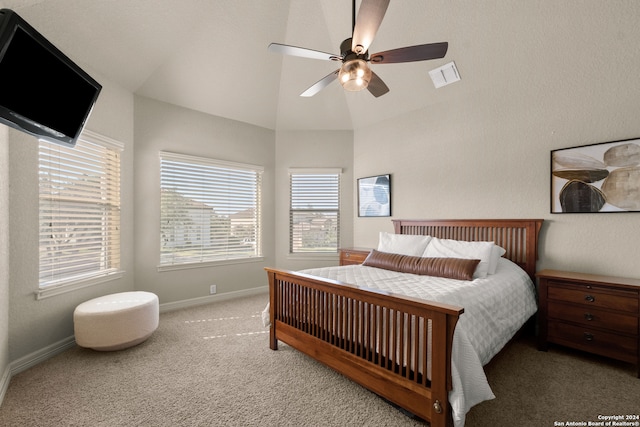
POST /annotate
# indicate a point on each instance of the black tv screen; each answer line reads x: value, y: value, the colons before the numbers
x: 42, y: 92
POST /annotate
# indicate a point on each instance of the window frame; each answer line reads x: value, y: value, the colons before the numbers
x: 337, y: 172
x: 207, y: 162
x: 113, y: 270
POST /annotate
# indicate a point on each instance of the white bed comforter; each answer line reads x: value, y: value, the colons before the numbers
x: 494, y: 310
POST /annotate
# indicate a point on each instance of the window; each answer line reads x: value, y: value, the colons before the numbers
x: 315, y: 210
x: 79, y: 193
x: 210, y: 210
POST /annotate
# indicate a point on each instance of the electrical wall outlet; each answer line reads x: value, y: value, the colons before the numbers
x: 212, y: 289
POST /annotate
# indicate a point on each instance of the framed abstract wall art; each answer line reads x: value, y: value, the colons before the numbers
x: 602, y: 177
x: 374, y: 196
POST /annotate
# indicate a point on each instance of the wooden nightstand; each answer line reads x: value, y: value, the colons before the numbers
x: 353, y: 255
x: 598, y: 314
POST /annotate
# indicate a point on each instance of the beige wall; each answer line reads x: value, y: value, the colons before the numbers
x: 164, y: 127
x: 312, y: 149
x: 4, y: 258
x: 37, y: 324
x: 489, y: 157
x: 559, y: 76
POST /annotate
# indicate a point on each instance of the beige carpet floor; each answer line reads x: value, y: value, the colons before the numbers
x: 211, y: 366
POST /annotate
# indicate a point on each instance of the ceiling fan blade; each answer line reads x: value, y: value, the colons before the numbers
x: 376, y: 86
x: 421, y: 52
x: 321, y: 84
x: 367, y: 23
x: 302, y: 52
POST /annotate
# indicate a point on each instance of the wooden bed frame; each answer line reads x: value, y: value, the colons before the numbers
x: 347, y: 327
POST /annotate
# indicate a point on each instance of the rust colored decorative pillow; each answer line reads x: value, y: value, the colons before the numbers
x: 451, y: 268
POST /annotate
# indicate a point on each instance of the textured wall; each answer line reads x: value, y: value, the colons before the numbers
x: 4, y: 252
x: 483, y: 149
x: 165, y: 127
x: 36, y: 324
x: 312, y: 149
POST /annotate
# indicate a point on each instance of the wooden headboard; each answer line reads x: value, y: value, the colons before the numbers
x: 519, y: 237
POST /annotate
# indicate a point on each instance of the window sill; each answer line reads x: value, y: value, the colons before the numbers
x: 60, y: 289
x: 162, y: 268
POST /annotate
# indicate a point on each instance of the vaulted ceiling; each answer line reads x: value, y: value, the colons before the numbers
x: 211, y: 55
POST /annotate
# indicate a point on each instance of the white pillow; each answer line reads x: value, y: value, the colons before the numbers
x: 447, y: 248
x: 496, y: 254
x: 403, y: 244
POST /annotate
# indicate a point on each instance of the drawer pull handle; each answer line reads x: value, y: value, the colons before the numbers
x: 588, y: 336
x: 588, y: 316
x: 590, y: 298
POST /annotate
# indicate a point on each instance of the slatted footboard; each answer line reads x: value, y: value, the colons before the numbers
x: 395, y: 346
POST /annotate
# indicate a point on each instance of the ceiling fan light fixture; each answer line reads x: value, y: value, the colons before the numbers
x: 355, y: 75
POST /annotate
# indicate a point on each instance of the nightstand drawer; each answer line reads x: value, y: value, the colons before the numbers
x: 595, y: 297
x: 594, y: 341
x: 593, y: 317
x: 353, y: 256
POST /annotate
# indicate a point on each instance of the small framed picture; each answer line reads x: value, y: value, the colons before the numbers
x: 374, y: 196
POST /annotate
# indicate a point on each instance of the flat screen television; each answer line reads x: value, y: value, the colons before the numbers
x: 42, y: 92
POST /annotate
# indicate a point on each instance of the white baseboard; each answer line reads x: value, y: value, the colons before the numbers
x: 41, y: 355
x: 32, y: 359
x: 170, y: 306
x: 4, y: 383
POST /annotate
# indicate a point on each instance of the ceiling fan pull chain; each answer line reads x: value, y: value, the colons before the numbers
x: 353, y: 17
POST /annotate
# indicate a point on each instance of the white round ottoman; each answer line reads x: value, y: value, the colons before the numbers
x: 116, y: 321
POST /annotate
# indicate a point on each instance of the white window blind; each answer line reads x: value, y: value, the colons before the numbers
x: 315, y: 210
x: 210, y: 210
x: 79, y: 210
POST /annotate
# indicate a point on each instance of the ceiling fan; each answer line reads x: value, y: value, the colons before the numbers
x: 355, y: 74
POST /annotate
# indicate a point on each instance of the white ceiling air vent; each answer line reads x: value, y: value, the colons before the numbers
x: 444, y: 75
